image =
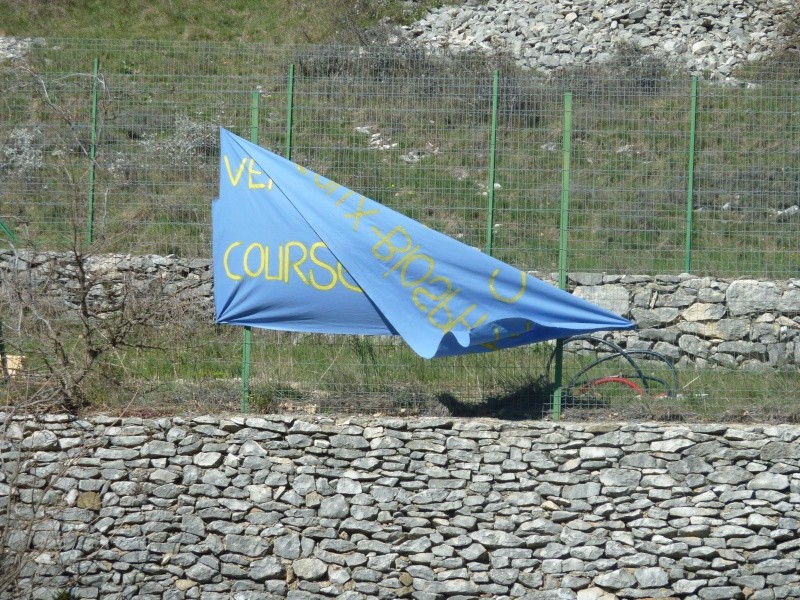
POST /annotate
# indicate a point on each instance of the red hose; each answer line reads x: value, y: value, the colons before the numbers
x: 618, y: 379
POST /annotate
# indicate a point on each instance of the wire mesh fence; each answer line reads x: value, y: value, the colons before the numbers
x: 112, y: 147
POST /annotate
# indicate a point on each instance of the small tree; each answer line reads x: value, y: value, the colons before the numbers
x: 74, y: 313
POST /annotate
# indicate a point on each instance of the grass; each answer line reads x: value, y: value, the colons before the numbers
x: 276, y: 22
x: 313, y: 374
x: 195, y: 368
x: 684, y: 394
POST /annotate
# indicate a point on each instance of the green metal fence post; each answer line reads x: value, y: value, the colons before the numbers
x: 563, y: 234
x: 289, y: 113
x: 3, y: 356
x: 255, y: 99
x: 247, y: 338
x: 92, y: 153
x: 247, y: 334
x: 492, y: 157
x: 563, y: 240
x: 690, y: 184
x: 7, y: 231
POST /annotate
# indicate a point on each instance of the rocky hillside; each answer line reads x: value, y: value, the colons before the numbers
x: 707, y: 37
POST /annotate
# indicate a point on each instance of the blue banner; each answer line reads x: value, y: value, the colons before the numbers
x: 295, y: 251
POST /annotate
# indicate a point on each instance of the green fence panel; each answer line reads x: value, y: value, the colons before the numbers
x: 417, y: 131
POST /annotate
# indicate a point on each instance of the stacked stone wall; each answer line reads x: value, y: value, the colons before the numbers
x: 260, y: 507
x: 704, y: 321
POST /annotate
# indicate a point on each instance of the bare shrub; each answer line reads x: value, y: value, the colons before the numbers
x: 72, y: 314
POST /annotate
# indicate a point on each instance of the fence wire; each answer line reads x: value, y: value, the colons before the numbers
x: 664, y: 178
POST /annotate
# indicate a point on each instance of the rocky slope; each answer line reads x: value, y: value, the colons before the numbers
x: 707, y: 37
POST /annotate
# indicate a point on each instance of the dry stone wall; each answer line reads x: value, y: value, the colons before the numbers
x: 703, y: 321
x: 694, y: 321
x: 259, y: 507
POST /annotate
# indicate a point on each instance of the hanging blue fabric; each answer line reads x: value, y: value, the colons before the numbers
x: 295, y: 251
